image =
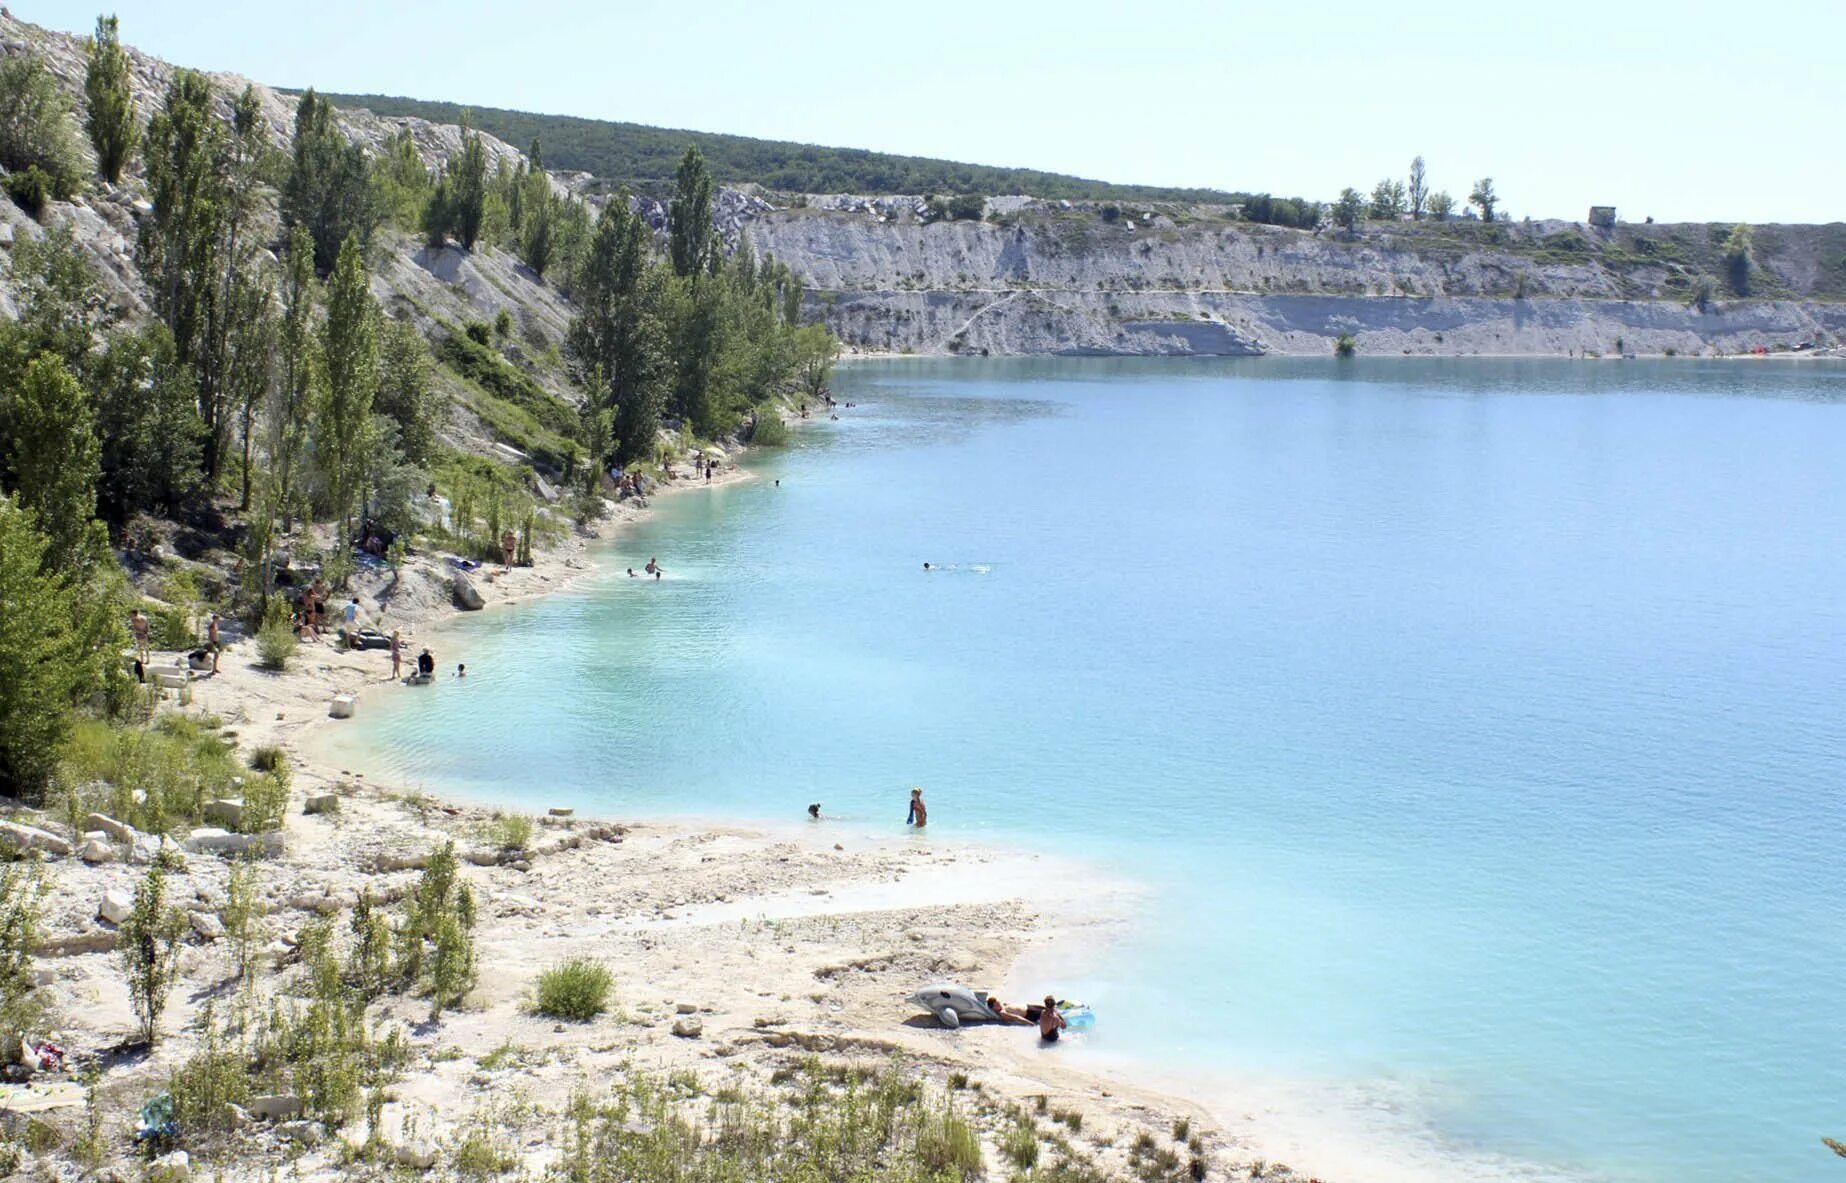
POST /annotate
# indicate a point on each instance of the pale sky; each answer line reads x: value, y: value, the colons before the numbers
x: 1688, y: 110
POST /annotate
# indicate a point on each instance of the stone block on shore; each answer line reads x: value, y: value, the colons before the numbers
x: 275, y: 1107
x: 212, y: 840
x: 22, y: 837
x: 342, y: 706
x: 117, y: 831
x: 322, y: 803
x: 116, y: 905
x: 224, y: 812
x: 96, y: 850
x: 206, y: 924
x: 467, y: 596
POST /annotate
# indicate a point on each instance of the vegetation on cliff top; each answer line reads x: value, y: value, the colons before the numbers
x: 646, y: 158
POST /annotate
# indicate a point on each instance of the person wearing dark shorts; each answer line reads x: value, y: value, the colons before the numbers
x: 1050, y: 1021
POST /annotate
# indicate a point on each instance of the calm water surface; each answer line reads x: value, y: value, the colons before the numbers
x: 1476, y: 724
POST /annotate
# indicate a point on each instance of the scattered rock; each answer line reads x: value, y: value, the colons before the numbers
x: 97, y: 851
x: 561, y: 811
x: 212, y: 840
x: 95, y: 940
x: 32, y: 838
x: 117, y: 831
x: 324, y: 803
x: 206, y: 925
x: 236, y: 1116
x: 308, y: 1133
x: 420, y: 1155
x: 688, y: 1028
x: 467, y: 596
x: 686, y: 1008
x: 170, y: 1168
x: 275, y: 1106
x: 226, y: 813
x: 116, y: 906
x: 342, y: 706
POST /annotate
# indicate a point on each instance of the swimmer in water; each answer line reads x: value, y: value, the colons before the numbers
x: 926, y: 566
x: 814, y: 811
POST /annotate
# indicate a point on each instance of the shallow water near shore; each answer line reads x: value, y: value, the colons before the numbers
x: 1474, y: 725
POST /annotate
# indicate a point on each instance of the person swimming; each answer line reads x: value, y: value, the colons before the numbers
x: 814, y: 811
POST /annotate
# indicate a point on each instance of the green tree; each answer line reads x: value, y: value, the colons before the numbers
x: 1441, y: 206
x: 690, y: 239
x: 349, y: 345
x: 1349, y: 209
x: 182, y: 241
x: 147, y: 416
x: 329, y: 188
x: 1388, y: 201
x: 149, y: 942
x: 41, y: 657
x: 297, y: 381
x: 1737, y: 259
x: 816, y: 350
x: 1418, y: 192
x: 467, y: 188
x: 251, y: 366
x: 403, y: 181
x: 111, y: 116
x: 1483, y: 198
x: 404, y: 390
x: 55, y: 462
x: 618, y: 334
x: 38, y: 143
x: 62, y: 308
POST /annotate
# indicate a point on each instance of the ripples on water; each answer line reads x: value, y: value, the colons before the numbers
x: 1476, y: 721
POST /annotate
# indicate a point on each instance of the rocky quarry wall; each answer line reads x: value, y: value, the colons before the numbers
x: 1060, y: 280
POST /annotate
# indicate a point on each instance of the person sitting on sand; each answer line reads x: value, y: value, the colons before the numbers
x: 919, y: 813
x: 1050, y: 1020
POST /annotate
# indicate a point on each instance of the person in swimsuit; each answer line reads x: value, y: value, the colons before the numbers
x: 138, y: 624
x: 1005, y: 1013
x: 919, y: 813
x: 397, y: 656
x: 213, y: 642
x: 426, y: 664
x: 814, y: 811
x: 1050, y: 1021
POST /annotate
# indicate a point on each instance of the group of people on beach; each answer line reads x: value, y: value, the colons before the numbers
x: 1049, y: 1019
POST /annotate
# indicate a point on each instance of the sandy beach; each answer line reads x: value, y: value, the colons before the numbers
x: 737, y: 951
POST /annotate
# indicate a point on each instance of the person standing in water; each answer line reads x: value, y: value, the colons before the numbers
x: 919, y: 813
x: 1050, y: 1020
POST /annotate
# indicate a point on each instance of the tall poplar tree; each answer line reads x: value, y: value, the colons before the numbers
x: 111, y: 116
x: 295, y: 384
x: 690, y: 243
x: 618, y: 335
x: 329, y: 188
x: 467, y: 187
x: 350, y: 348
x: 182, y: 241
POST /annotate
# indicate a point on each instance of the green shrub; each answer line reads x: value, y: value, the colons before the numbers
x: 578, y: 989
x: 267, y: 758
x: 1345, y: 346
x: 511, y: 832
x: 275, y: 645
x: 265, y: 802
x: 170, y: 627
x: 150, y: 946
x: 1182, y: 1129
x: 770, y: 431
x: 22, y: 894
x: 214, y: 1078
x: 480, y: 1157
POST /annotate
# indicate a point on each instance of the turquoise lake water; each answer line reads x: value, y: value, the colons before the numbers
x: 1477, y: 725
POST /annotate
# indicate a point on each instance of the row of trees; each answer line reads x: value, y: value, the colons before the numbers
x: 1393, y: 200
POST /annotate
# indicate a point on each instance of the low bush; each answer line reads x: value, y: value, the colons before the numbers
x: 511, y: 832
x: 947, y: 1145
x: 267, y: 758
x: 1345, y: 346
x: 769, y: 430
x: 578, y: 989
x: 265, y: 802
x: 275, y: 645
